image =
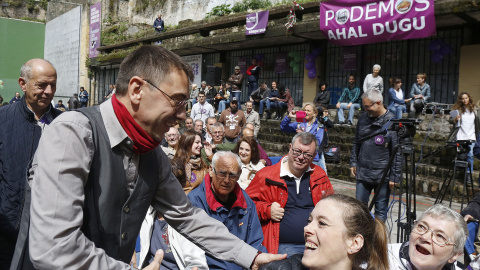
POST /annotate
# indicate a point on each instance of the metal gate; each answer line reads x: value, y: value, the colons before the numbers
x: 403, y: 59
x: 290, y: 79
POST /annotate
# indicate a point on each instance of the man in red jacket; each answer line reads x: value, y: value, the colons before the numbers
x: 286, y: 193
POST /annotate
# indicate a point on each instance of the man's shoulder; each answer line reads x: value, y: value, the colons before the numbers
x: 272, y: 171
x: 198, y: 195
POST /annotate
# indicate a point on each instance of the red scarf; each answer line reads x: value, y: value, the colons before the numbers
x: 142, y: 142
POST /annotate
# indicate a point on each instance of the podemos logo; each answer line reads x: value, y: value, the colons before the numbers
x: 403, y: 6
x: 342, y: 16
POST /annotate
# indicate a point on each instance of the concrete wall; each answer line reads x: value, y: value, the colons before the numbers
x: 62, y: 48
x: 469, y: 81
x: 172, y: 11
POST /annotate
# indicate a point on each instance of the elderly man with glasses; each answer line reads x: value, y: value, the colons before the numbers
x: 221, y: 198
x: 286, y: 193
x: 436, y: 241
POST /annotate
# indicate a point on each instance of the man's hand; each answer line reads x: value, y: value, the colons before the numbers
x: 265, y: 258
x: 157, y: 260
x: 353, y: 171
x: 349, y: 105
x: 391, y: 184
x: 208, y: 150
x: 467, y: 217
x: 276, y: 212
x: 338, y: 105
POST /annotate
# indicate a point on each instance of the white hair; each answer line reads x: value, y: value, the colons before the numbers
x: 440, y: 212
x: 377, y: 66
x: 220, y: 154
x: 373, y: 95
x: 217, y: 125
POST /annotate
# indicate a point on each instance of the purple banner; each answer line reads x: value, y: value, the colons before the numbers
x: 281, y: 63
x: 349, y: 58
x: 257, y: 23
x: 355, y: 22
x: 95, y: 17
x: 242, y: 63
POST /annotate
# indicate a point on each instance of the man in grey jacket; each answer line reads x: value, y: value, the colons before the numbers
x: 371, y: 151
x: 87, y: 208
x: 260, y: 96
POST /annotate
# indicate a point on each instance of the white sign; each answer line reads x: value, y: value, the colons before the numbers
x: 196, y: 62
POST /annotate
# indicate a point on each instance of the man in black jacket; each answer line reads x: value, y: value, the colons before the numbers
x: 372, y: 148
x: 21, y: 125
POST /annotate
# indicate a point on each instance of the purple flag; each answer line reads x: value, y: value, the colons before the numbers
x: 349, y: 58
x: 95, y: 17
x: 257, y: 23
x: 281, y: 63
x: 355, y: 22
x: 242, y: 63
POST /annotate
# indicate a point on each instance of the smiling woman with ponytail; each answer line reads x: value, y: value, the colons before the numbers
x: 342, y: 235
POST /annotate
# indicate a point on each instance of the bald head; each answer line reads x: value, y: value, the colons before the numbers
x: 38, y: 80
x: 247, y: 133
x: 26, y: 71
x: 250, y: 126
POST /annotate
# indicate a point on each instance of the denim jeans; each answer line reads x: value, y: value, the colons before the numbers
x: 262, y: 105
x: 290, y: 249
x: 470, y: 160
x: 397, y: 110
x: 351, y: 112
x: 381, y: 205
x: 236, y: 94
x: 278, y: 106
x: 252, y: 86
x: 223, y: 105
x: 321, y: 162
x: 472, y: 235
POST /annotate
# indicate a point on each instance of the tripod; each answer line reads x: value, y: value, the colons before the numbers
x: 406, y: 146
x: 460, y: 162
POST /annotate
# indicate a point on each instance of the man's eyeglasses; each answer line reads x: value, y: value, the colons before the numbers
x: 369, y: 106
x: 439, y: 238
x: 297, y: 153
x: 223, y: 175
x: 177, y: 105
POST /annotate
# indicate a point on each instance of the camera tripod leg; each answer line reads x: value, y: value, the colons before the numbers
x: 444, y: 188
x: 467, y: 175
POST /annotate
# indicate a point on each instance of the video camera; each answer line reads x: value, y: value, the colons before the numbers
x: 405, y: 128
x: 462, y: 148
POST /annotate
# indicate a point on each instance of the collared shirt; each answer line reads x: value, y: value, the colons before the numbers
x: 45, y: 119
x: 285, y: 172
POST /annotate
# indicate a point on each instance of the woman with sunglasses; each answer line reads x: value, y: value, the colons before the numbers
x: 435, y: 243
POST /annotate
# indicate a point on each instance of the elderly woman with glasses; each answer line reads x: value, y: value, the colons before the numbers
x: 435, y: 243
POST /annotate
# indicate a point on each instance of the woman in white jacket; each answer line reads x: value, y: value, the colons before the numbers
x: 436, y: 241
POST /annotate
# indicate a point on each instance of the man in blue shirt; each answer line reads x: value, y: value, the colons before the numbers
x: 221, y: 198
x: 349, y: 100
